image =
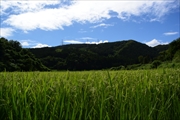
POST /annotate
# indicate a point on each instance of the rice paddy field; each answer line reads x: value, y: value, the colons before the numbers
x: 91, y: 95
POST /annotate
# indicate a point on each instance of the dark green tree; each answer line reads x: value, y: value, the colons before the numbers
x: 15, y: 58
x: 174, y: 46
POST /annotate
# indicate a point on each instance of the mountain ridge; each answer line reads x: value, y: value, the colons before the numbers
x: 95, y: 56
x: 126, y: 54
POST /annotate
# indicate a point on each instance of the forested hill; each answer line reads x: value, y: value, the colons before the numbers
x: 92, y: 56
x: 15, y: 58
x: 85, y: 56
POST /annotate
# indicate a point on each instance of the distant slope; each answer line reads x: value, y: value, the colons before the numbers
x: 161, y: 48
x: 92, y: 56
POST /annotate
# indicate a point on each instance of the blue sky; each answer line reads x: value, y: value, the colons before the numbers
x: 55, y: 22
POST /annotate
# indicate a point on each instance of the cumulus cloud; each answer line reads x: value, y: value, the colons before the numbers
x: 32, y: 44
x: 22, y: 6
x: 105, y: 41
x: 98, y: 42
x: 28, y: 43
x: 87, y: 42
x: 102, y: 25
x: 170, y: 33
x: 155, y: 42
x: 73, y: 41
x: 25, y: 43
x: 39, y: 45
x: 6, y: 32
x: 30, y: 15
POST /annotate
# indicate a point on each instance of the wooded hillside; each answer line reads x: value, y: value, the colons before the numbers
x: 92, y: 56
x: 15, y: 58
x: 85, y: 56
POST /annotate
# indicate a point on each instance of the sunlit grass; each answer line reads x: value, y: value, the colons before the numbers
x: 90, y: 95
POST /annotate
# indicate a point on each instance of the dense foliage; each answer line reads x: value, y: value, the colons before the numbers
x: 14, y: 58
x: 172, y: 53
x: 174, y: 50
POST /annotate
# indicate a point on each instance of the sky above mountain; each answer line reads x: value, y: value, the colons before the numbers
x: 41, y: 23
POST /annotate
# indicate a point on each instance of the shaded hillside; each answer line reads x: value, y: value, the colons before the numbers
x: 15, y: 58
x: 92, y: 56
x: 161, y: 48
x: 173, y: 52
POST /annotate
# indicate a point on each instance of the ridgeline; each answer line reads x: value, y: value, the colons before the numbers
x: 116, y: 55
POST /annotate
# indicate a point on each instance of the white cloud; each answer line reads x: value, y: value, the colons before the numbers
x: 25, y: 43
x: 98, y: 42
x: 45, y: 20
x: 105, y: 41
x: 32, y: 44
x: 28, y: 43
x: 155, y: 42
x: 73, y: 41
x: 22, y: 6
x: 102, y: 25
x: 170, y: 33
x: 87, y: 42
x: 6, y: 32
x: 30, y: 15
x: 39, y: 45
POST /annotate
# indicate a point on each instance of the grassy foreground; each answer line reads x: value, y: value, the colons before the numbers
x: 92, y: 95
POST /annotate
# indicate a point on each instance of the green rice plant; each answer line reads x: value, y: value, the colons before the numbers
x: 90, y: 95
